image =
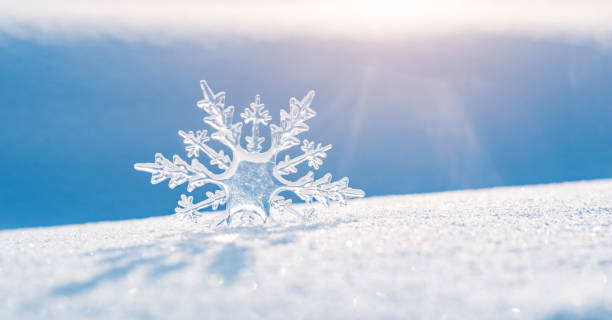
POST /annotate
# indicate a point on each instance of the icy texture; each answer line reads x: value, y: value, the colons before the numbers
x: 538, y: 252
x: 252, y: 181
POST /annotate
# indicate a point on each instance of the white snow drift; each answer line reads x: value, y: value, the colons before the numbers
x: 521, y: 252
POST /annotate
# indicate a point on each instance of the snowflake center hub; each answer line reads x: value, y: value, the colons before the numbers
x: 249, y: 190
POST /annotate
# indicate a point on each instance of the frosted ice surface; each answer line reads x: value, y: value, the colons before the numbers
x: 535, y: 252
x: 252, y: 181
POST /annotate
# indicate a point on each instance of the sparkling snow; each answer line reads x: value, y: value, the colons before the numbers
x: 521, y: 252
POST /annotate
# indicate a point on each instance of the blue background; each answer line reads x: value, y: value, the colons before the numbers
x: 417, y: 115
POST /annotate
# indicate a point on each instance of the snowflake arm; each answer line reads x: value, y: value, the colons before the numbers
x: 292, y: 123
x: 256, y: 115
x: 311, y: 154
x: 197, y: 142
x: 284, y: 205
x: 220, y: 117
x: 178, y: 171
x: 322, y: 190
x: 187, y: 209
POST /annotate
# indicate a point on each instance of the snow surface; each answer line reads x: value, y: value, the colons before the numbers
x: 521, y: 252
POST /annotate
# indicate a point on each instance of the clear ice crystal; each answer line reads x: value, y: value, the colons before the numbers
x: 251, y: 181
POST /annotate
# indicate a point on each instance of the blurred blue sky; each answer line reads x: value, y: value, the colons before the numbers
x: 411, y: 114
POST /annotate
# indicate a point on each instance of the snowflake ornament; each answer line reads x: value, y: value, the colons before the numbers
x: 251, y: 181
